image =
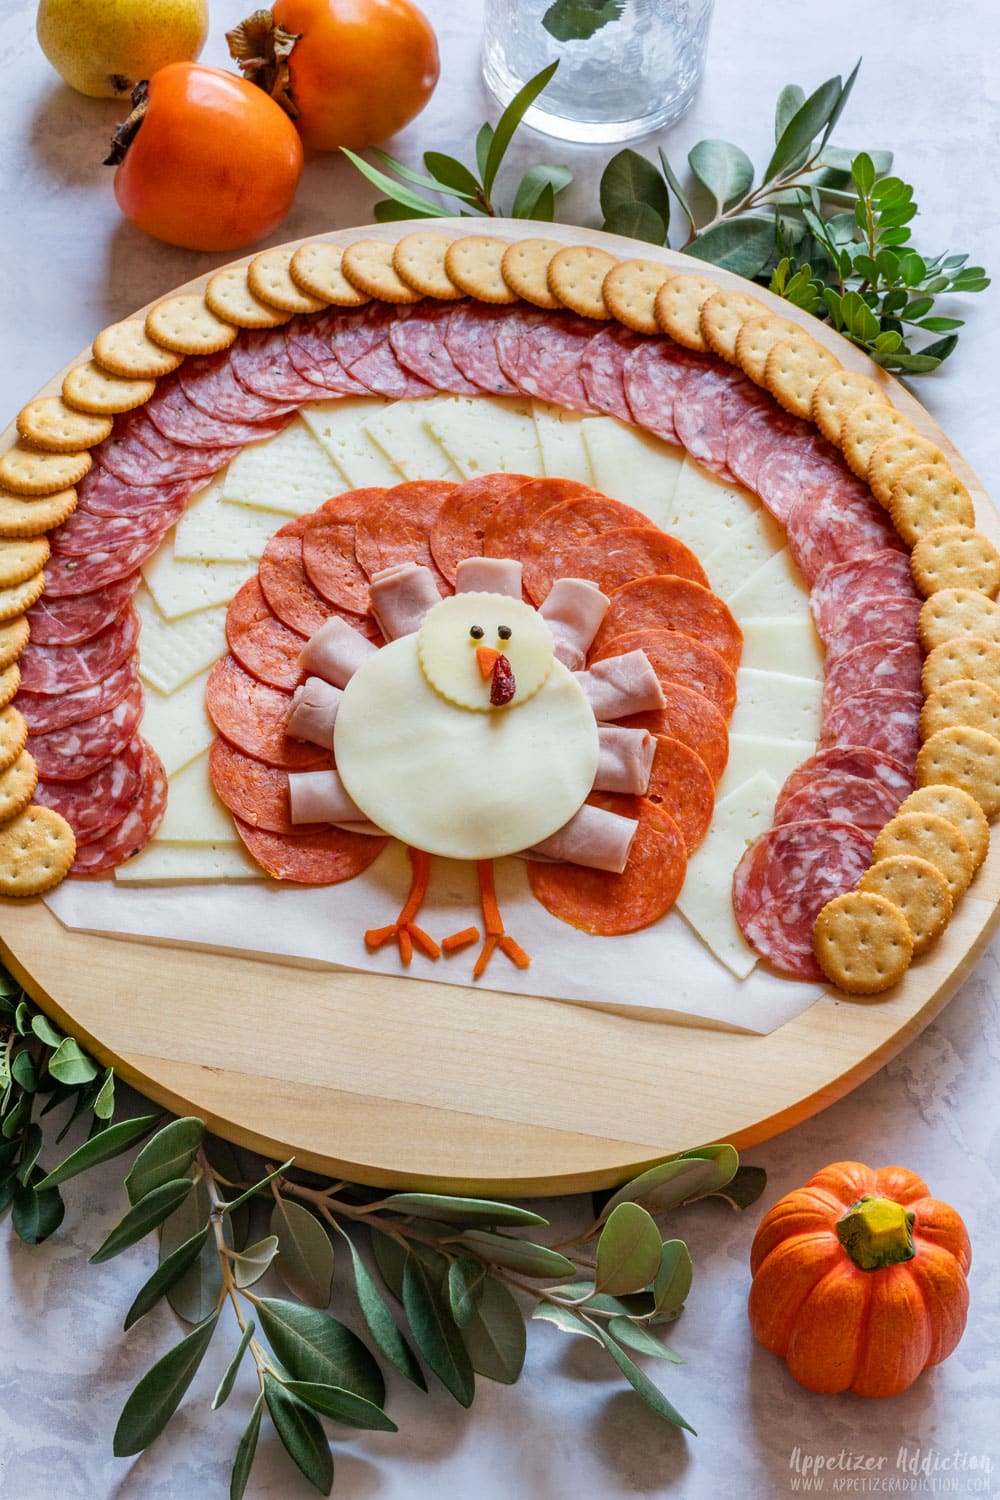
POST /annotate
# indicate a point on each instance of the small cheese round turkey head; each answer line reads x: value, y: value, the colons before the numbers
x: 464, y: 641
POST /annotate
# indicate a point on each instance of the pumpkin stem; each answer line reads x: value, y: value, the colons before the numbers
x: 877, y: 1232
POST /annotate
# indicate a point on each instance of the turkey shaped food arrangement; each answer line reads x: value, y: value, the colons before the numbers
x: 685, y: 362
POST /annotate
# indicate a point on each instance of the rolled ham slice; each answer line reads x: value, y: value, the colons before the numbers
x: 321, y: 797
x: 593, y: 837
x: 313, y: 712
x: 574, y: 609
x: 335, y: 651
x: 401, y: 596
x: 625, y: 759
x: 621, y: 685
x: 489, y: 575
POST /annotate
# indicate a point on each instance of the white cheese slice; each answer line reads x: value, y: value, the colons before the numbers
x: 337, y: 425
x: 776, y: 704
x: 186, y: 864
x: 633, y: 466
x: 560, y: 439
x: 401, y: 431
x: 789, y: 640
x: 752, y: 753
x: 183, y: 588
x: 291, y: 473
x: 171, y: 652
x: 704, y: 510
x: 178, y: 726
x: 486, y: 437
x: 706, y: 898
x: 214, y: 530
x: 775, y: 589
x: 194, y: 813
x: 743, y: 549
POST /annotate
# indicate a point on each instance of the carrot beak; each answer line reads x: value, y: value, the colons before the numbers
x: 487, y: 659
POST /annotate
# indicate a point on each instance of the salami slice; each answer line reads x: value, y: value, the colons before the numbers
x: 137, y: 827
x: 102, y: 493
x: 47, y: 711
x: 836, y: 525
x: 418, y: 341
x: 690, y: 718
x: 78, y: 750
x: 679, y: 658
x: 377, y: 369
x: 68, y: 576
x: 755, y: 436
x: 311, y: 858
x: 878, y: 664
x: 254, y: 792
x: 182, y: 422
x: 332, y: 566
x: 868, y: 620
x: 512, y: 519
x: 397, y: 528
x: 469, y: 339
x: 261, y: 364
x: 616, y: 557
x: 356, y: 333
x: 667, y: 603
x: 860, y: 800
x: 77, y: 617
x: 609, y: 905
x: 97, y: 802
x: 681, y: 785
x: 786, y: 877
x: 851, y: 760
x: 707, y: 405
x: 651, y: 376
x: 286, y: 588
x: 602, y: 370
x: 84, y: 533
x: 798, y: 466
x: 460, y: 526
x: 261, y: 643
x: 885, y: 719
x: 69, y: 669
x: 252, y: 717
x: 209, y: 382
x: 882, y: 575
x: 560, y: 530
x: 541, y: 357
x: 138, y: 454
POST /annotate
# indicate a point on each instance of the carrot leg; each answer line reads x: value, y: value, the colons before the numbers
x: 404, y: 931
x: 496, y: 936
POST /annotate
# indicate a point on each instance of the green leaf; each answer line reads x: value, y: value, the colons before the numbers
x: 305, y: 1260
x: 228, y: 1380
x: 726, y: 1160
x: 435, y: 1333
x: 14, y: 1121
x: 247, y: 1448
x: 170, y: 1270
x: 315, y: 1347
x: 395, y: 190
x: 454, y: 174
x: 640, y: 1381
x: 160, y: 1391
x: 255, y: 1188
x: 110, y: 1143
x: 533, y: 186
x: 146, y: 1215
x: 510, y: 120
x: 672, y: 1281
x: 517, y: 1255
x: 70, y: 1064
x: 565, y: 1319
x: 390, y: 1257
x: 484, y: 141
x: 544, y: 208
x: 251, y: 1264
x: 460, y: 1210
x: 381, y: 1323
x: 724, y: 169
x: 36, y: 1214
x: 31, y: 1147
x: 22, y: 1018
x: 417, y: 178
x: 104, y: 1104
x: 197, y: 1292
x: 166, y: 1157
x: 46, y: 1032
x: 675, y: 188
x: 466, y: 1281
x: 669, y: 1184
x: 790, y: 101
x: 744, y: 1188
x: 577, y: 20
x: 629, y: 178
x: 639, y: 1338
x: 387, y: 212
x: 802, y: 129
x: 742, y: 245
x: 22, y: 1070
x: 495, y: 1335
x: 341, y: 1406
x: 596, y: 1301
x: 636, y: 221
x: 301, y: 1434
x: 838, y: 108
x: 628, y: 1251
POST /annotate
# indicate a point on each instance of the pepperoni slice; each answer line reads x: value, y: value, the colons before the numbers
x: 283, y: 580
x: 839, y: 524
x: 512, y: 519
x: 786, y: 877
x: 252, y: 717
x: 679, y: 658
x: 852, y: 760
x: 890, y: 618
x: 885, y: 719
x: 882, y: 575
x: 707, y: 404
x: 135, y: 830
x: 651, y: 376
x: 681, y: 785
x: 860, y: 800
x: 77, y: 617
x: 609, y: 905
x: 80, y: 749
x: 67, y: 576
x: 460, y: 527
x: 690, y: 718
x: 262, y: 645
x: 668, y: 603
x: 97, y: 802
x: 67, y: 669
x: 397, y: 528
x: 877, y: 664
x: 47, y: 711
x: 351, y: 504
x: 562, y: 528
x: 254, y: 792
x: 756, y: 436
x: 332, y: 566
x: 541, y: 356
x: 261, y: 364
x: 602, y: 370
x: 324, y: 858
x: 616, y: 557
x: 418, y: 342
x: 469, y: 339
x: 84, y: 532
x: 209, y: 383
x: 102, y: 493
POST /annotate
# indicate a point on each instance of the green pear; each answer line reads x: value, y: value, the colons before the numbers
x: 103, y: 47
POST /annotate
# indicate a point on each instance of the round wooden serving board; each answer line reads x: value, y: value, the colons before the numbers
x: 402, y: 1082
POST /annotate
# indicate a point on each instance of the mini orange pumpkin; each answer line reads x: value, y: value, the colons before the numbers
x: 859, y: 1280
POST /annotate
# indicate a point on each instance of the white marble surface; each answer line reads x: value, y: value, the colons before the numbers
x: 929, y: 89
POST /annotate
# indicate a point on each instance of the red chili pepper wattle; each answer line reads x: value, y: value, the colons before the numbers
x: 502, y: 687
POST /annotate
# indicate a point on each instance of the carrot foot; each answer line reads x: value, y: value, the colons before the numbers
x: 404, y: 931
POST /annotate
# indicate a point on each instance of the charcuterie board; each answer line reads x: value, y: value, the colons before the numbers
x: 395, y: 1081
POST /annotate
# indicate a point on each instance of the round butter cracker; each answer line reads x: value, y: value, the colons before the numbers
x: 89, y: 388
x: 37, y: 849
x: 630, y: 290
x: 866, y: 426
x: 678, y: 308
x: 27, y: 471
x: 50, y: 424
x: 964, y: 656
x: 13, y: 639
x: 963, y: 701
x: 316, y: 267
x: 932, y: 838
x: 918, y: 889
x: 964, y: 757
x: 837, y: 394
x: 475, y: 263
x: 33, y: 515
x: 928, y: 496
x: 21, y: 596
x: 419, y: 259
x: 891, y: 460
x: 17, y: 786
x: 13, y: 735
x: 21, y: 558
x: 960, y: 809
x: 862, y: 942
x: 956, y: 612
x: 723, y: 315
x: 576, y: 276
x: 125, y: 349
x: 10, y: 681
x: 955, y: 557
x: 367, y: 264
x: 187, y: 325
x: 793, y: 370
x: 229, y: 296
x: 755, y: 341
x: 270, y: 281
x: 525, y: 268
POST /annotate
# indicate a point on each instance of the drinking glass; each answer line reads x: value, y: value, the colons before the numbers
x: 635, y: 74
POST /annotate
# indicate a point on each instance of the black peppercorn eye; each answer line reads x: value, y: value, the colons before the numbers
x: 476, y: 632
x: 503, y: 631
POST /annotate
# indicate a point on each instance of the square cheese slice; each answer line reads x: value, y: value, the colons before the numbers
x: 186, y: 864
x: 178, y: 726
x: 402, y: 434
x: 174, y: 651
x: 633, y: 467
x: 486, y: 437
x: 338, y: 426
x: 752, y: 753
x: 194, y: 813
x: 703, y: 510
x: 788, y: 639
x: 183, y: 588
x: 560, y: 438
x: 744, y: 548
x: 777, y: 704
x: 776, y: 588
x: 291, y: 472
x: 214, y: 530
